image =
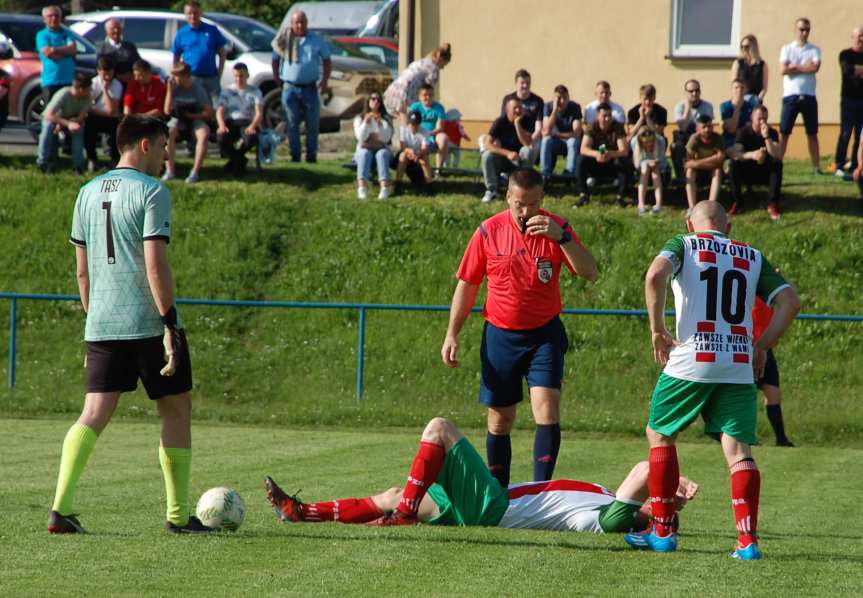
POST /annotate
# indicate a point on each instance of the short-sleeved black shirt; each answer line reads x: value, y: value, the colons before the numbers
x: 658, y: 114
x: 752, y: 140
x: 504, y: 133
x: 564, y: 119
x: 531, y: 110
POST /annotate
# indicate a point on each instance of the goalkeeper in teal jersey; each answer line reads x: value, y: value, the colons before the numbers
x: 121, y: 227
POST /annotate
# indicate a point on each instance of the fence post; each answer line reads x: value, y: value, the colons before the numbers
x: 13, y: 314
x: 361, y: 351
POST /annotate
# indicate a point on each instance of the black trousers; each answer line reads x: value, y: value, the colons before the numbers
x: 229, y: 145
x: 97, y: 125
x: 750, y: 172
x: 678, y: 153
x: 619, y: 168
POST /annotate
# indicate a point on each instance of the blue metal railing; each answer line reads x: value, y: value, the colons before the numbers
x: 362, y: 308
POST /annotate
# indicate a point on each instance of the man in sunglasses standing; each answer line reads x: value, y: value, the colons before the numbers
x: 799, y: 62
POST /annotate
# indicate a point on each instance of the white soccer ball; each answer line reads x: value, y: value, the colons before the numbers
x: 222, y: 508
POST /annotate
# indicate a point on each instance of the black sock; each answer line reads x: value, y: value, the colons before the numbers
x: 774, y: 414
x: 499, y: 452
x: 546, y: 445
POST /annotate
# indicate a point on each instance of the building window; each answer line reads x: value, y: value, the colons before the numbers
x: 705, y: 28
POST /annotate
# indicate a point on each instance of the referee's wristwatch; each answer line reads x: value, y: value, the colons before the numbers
x: 565, y: 238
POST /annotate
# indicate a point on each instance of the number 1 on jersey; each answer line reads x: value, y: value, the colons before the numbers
x: 109, y: 231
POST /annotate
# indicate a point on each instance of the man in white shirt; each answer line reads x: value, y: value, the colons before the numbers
x: 799, y: 62
x: 450, y: 484
x: 104, y: 115
x: 602, y: 93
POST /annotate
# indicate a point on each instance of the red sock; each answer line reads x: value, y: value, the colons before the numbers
x: 662, y: 480
x: 424, y: 472
x: 745, y: 490
x: 345, y: 510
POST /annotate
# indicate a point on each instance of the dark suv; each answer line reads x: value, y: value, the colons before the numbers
x: 25, y: 68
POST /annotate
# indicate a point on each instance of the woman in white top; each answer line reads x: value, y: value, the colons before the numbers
x: 374, y: 131
x: 405, y: 89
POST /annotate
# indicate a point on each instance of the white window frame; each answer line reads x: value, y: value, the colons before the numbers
x: 729, y: 50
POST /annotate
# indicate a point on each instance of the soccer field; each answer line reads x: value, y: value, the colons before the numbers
x: 809, y: 522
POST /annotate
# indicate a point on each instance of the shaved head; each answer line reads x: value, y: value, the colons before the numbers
x: 708, y: 215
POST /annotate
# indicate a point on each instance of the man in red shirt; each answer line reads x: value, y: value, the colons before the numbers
x: 145, y: 93
x: 520, y: 251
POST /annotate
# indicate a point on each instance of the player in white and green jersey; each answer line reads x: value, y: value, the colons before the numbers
x: 121, y: 227
x: 709, y: 366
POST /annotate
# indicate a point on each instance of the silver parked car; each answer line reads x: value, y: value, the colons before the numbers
x: 248, y: 42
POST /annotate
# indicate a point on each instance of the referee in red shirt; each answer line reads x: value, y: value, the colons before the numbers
x: 520, y: 251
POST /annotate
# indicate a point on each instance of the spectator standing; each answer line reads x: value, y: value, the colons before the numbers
x: 737, y: 111
x: 604, y: 153
x: 602, y: 93
x: 800, y: 60
x: 300, y: 57
x: 850, y: 103
x: 686, y: 113
x: 199, y: 45
x: 57, y: 49
x: 374, y: 131
x: 561, y: 133
x: 531, y: 110
x: 145, y: 93
x: 413, y: 149
x: 433, y: 115
x: 239, y: 115
x: 647, y: 113
x: 751, y: 68
x: 123, y: 52
x: 506, y: 147
x: 648, y: 153
x: 65, y: 114
x: 705, y: 154
x: 188, y: 104
x: 521, y: 251
x: 757, y: 161
x: 104, y: 115
x: 404, y: 91
x: 768, y: 382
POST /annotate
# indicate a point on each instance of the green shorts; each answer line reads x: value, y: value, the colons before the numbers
x: 726, y: 408
x: 466, y: 493
x: 618, y: 517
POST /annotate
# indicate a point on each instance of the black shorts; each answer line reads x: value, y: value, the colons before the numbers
x: 115, y: 366
x: 771, y: 372
x: 794, y: 105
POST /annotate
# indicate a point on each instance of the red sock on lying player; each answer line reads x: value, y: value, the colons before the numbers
x: 745, y: 490
x: 663, y: 477
x: 345, y: 510
x: 424, y: 471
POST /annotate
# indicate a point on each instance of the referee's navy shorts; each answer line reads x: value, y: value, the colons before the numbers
x: 771, y: 372
x: 509, y: 356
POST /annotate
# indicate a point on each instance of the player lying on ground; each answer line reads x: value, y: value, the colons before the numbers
x: 449, y: 484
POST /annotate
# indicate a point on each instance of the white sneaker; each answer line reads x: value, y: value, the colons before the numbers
x: 656, y: 209
x: 489, y: 197
x: 590, y: 182
x: 642, y: 211
x: 192, y: 178
x: 384, y: 193
x: 839, y: 173
x: 362, y: 192
x: 168, y: 176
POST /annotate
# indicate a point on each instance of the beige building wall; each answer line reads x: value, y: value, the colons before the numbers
x: 627, y: 43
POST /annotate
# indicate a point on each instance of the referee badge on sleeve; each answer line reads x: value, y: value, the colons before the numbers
x: 544, y: 270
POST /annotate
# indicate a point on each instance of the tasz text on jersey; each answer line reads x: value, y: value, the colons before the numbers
x: 110, y: 186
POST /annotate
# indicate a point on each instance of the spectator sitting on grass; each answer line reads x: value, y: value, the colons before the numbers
x: 104, y: 115
x: 188, y: 103
x: 145, y: 93
x: 686, y: 113
x: 531, y: 110
x: 561, y: 133
x: 374, y: 131
x: 413, y: 147
x: 602, y: 93
x: 646, y: 113
x: 604, y: 153
x: 505, y: 148
x: 648, y: 153
x: 705, y: 153
x: 737, y: 111
x: 757, y: 160
x: 433, y: 115
x: 239, y: 116
x: 65, y: 115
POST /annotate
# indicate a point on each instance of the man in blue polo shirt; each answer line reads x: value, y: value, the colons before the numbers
x: 298, y: 55
x: 57, y: 50
x: 198, y: 44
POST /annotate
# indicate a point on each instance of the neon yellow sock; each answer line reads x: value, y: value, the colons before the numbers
x: 77, y: 446
x: 176, y: 467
